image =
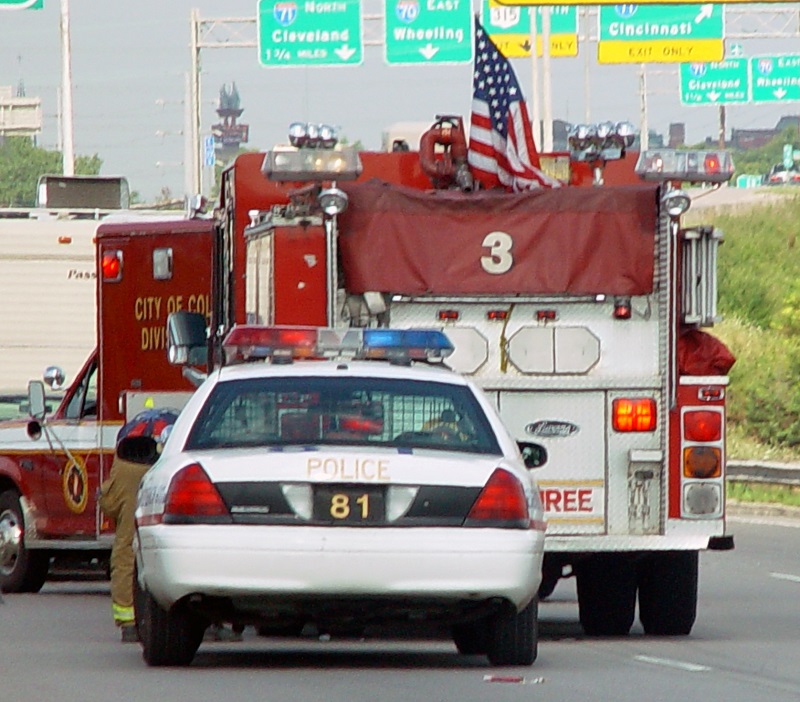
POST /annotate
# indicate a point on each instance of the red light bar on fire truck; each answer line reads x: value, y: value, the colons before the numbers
x: 289, y: 163
x: 286, y: 344
x: 685, y: 166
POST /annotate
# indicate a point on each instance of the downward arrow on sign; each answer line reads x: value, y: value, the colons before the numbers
x: 344, y: 52
x: 429, y: 51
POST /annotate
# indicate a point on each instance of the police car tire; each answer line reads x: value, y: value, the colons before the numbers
x: 513, y: 637
x: 169, y: 638
x: 668, y: 593
x: 29, y: 571
x: 470, y: 639
x: 606, y: 585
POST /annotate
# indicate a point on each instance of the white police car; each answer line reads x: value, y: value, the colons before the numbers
x: 339, y: 493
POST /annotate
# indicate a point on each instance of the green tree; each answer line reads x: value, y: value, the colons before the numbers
x: 21, y: 164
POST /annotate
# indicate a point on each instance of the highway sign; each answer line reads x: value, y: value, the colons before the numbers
x: 21, y: 4
x: 509, y: 28
x: 614, y: 2
x: 431, y: 31
x: 775, y: 78
x: 747, y: 180
x: 715, y: 83
x: 309, y: 33
x: 209, y: 155
x: 644, y: 33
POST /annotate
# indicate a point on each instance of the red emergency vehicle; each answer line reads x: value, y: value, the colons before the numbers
x: 579, y: 310
x: 52, y: 466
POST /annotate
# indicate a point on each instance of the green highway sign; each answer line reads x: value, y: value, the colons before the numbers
x: 660, y: 33
x: 775, y: 78
x: 430, y: 31
x: 309, y: 33
x: 715, y: 83
x: 21, y: 4
x: 510, y: 29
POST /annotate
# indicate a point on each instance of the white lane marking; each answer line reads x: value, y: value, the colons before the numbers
x: 669, y: 663
x: 785, y: 576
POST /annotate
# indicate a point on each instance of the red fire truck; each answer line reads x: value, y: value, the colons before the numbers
x: 51, y: 466
x: 579, y: 310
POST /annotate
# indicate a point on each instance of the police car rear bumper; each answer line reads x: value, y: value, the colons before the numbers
x: 242, y: 561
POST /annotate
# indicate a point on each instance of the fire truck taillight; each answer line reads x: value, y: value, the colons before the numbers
x: 702, y: 462
x: 546, y: 315
x: 502, y: 503
x: 702, y: 426
x: 192, y: 498
x: 497, y: 315
x: 111, y: 266
x: 622, y: 308
x: 449, y: 315
x: 634, y: 414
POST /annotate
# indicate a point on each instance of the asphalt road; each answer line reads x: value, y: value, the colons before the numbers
x: 61, y: 645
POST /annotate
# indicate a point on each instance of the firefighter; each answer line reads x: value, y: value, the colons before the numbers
x: 118, y: 501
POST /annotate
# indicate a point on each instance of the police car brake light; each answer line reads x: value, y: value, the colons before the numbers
x: 193, y: 497
x: 285, y: 344
x: 501, y: 503
x: 686, y: 166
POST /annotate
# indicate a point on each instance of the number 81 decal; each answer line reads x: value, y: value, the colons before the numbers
x: 341, y: 506
x: 499, y: 260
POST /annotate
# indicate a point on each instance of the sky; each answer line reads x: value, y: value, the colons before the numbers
x: 131, y: 60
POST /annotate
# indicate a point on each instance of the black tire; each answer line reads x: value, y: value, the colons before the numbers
x: 606, y: 585
x: 21, y: 570
x: 668, y: 593
x: 513, y: 637
x: 168, y: 638
x: 471, y: 638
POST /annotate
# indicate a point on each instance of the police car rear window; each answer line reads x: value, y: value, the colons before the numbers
x: 346, y: 411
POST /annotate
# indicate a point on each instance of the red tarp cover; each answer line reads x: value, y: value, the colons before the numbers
x: 577, y: 240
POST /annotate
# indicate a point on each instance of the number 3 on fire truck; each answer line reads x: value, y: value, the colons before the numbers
x: 499, y: 259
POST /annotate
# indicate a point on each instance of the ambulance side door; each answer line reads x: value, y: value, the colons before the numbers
x: 70, y: 461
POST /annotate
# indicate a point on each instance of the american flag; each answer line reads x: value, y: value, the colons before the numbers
x: 501, y: 147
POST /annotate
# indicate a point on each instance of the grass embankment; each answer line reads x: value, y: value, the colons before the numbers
x: 759, y: 300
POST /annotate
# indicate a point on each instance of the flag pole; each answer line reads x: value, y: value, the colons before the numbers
x: 536, y: 122
x: 547, y: 89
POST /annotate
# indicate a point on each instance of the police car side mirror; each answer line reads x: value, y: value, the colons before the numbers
x: 533, y: 455
x: 138, y: 449
x: 186, y: 338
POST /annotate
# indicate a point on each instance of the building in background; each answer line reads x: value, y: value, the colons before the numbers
x: 19, y: 114
x: 228, y: 134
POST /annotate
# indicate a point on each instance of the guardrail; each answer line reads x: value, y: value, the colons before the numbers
x: 766, y: 472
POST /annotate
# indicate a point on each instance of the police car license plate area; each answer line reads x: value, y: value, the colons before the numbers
x: 349, y: 505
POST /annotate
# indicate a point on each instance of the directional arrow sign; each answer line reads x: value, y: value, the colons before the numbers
x: 660, y: 33
x: 510, y: 29
x: 430, y: 31
x: 716, y: 83
x: 775, y: 78
x: 21, y: 4
x: 309, y: 33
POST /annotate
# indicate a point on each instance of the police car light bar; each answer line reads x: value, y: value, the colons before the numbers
x: 285, y: 344
x: 685, y: 166
x: 290, y: 163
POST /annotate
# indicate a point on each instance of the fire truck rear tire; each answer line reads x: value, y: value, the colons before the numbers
x: 513, y: 637
x: 668, y: 593
x: 21, y: 570
x: 169, y: 638
x: 606, y: 585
